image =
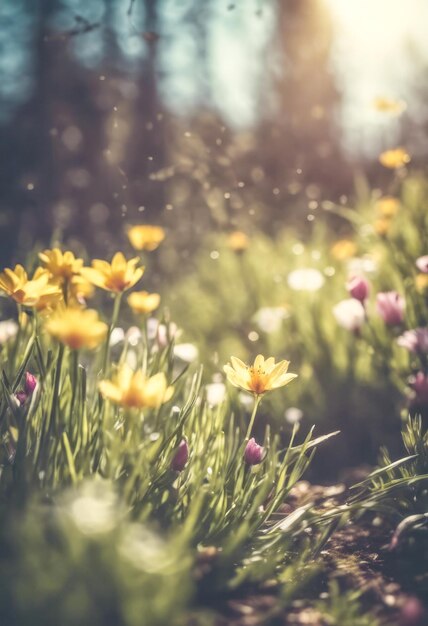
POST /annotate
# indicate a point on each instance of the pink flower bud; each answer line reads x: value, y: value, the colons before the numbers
x: 254, y: 453
x: 419, y: 384
x: 358, y: 288
x: 422, y: 264
x: 30, y: 383
x: 413, y: 613
x: 391, y: 306
x: 415, y: 340
x: 21, y: 396
x: 181, y: 457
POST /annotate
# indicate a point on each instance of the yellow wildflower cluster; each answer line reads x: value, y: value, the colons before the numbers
x: 60, y: 286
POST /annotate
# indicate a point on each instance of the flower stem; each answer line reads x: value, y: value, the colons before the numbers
x: 114, y: 317
x: 257, y: 399
x: 74, y: 357
x: 55, y: 395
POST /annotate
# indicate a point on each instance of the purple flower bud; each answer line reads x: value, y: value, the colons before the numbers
x: 30, y: 383
x: 419, y: 384
x: 358, y: 288
x: 181, y: 457
x: 415, y: 340
x: 21, y: 396
x: 422, y: 264
x: 413, y: 613
x: 254, y: 453
x: 391, y: 306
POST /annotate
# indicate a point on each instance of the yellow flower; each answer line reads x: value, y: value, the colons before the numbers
x: 238, y: 241
x: 382, y: 226
x: 24, y: 291
x: 421, y: 282
x: 135, y: 390
x: 117, y: 276
x: 343, y: 249
x: 387, y: 206
x: 77, y: 328
x: 61, y: 265
x: 388, y: 105
x: 394, y: 159
x: 79, y: 289
x: 142, y: 302
x: 146, y: 236
x: 262, y: 376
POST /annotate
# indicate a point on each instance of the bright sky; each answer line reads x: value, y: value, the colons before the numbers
x: 372, y: 56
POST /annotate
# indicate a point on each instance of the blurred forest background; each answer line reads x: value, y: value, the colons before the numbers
x: 200, y: 115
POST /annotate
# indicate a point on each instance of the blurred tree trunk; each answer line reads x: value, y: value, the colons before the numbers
x: 301, y: 119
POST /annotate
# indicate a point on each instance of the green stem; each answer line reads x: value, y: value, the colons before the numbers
x: 18, y: 336
x: 74, y: 356
x: 257, y: 400
x: 55, y: 396
x: 114, y: 318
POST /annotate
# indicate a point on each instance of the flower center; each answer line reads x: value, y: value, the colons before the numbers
x: 258, y: 379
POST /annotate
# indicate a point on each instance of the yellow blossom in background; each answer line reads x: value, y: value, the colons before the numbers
x: 146, y: 236
x: 421, y: 283
x: 117, y: 276
x: 389, y: 105
x: 77, y: 328
x: 262, y: 376
x: 80, y: 289
x: 135, y: 390
x: 394, y: 159
x: 142, y: 302
x: 61, y: 265
x: 49, y: 303
x: 387, y: 206
x: 343, y: 249
x: 238, y: 241
x: 382, y: 226
x: 16, y: 284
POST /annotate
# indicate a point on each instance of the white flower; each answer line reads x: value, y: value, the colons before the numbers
x: 133, y: 335
x: 269, y: 318
x: 247, y: 400
x: 8, y: 329
x: 117, y: 336
x: 307, y: 279
x: 216, y: 393
x: 166, y: 332
x: 361, y: 265
x: 186, y: 352
x: 350, y: 314
x: 293, y: 415
x: 152, y: 328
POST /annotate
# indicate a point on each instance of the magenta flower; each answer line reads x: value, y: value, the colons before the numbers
x: 181, y: 457
x: 391, y: 306
x: 413, y: 613
x: 419, y: 384
x: 422, y: 264
x: 30, y: 383
x: 415, y: 340
x: 21, y: 396
x: 358, y: 287
x: 254, y: 453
